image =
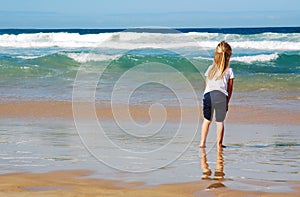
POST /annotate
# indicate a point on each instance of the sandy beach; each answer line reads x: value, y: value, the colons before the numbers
x: 76, y: 182
x: 73, y: 183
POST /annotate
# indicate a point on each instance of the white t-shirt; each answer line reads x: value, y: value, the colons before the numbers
x: 220, y: 84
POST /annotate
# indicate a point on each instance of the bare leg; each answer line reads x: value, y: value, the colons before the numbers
x: 204, y: 132
x: 220, y: 134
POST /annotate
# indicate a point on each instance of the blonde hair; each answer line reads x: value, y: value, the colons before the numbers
x: 221, y: 61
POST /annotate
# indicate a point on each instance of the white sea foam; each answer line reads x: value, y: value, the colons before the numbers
x: 87, y: 57
x: 204, y: 58
x: 25, y: 67
x: 43, y: 40
x: 266, y: 45
x: 249, y: 59
x: 131, y: 40
x: 256, y: 58
x: 29, y: 57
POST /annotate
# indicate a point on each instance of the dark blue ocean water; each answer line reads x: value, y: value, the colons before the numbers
x: 257, y: 30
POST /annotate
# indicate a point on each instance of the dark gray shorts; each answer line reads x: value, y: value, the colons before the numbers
x: 215, y: 101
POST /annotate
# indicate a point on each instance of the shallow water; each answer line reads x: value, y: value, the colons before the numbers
x: 254, y: 153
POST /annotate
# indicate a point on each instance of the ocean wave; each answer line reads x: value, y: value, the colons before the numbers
x: 88, y: 57
x: 248, y: 58
x: 43, y: 40
x: 81, y: 57
x: 29, y: 57
x: 63, y: 59
x: 133, y: 40
x: 256, y: 58
x: 267, y: 45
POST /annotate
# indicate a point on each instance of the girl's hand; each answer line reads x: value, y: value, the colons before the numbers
x: 227, y: 106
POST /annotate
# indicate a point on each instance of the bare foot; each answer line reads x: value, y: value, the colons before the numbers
x: 221, y: 146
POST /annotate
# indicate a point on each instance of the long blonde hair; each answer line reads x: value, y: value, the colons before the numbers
x: 221, y: 61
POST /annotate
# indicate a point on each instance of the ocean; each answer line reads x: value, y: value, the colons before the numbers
x: 144, y: 67
x: 35, y: 62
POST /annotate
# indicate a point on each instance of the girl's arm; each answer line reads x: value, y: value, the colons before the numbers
x: 229, y: 90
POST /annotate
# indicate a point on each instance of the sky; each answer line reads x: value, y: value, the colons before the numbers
x: 148, y: 13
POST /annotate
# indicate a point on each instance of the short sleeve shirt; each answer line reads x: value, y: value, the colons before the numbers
x: 220, y: 84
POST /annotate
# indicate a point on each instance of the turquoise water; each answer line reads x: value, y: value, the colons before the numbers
x: 42, y: 64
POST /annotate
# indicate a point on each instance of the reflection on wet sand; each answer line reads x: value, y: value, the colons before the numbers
x: 219, y: 169
x: 206, y: 171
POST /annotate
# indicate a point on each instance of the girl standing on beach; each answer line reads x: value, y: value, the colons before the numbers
x: 217, y: 94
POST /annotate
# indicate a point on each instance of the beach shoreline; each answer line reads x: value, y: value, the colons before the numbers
x: 78, y: 182
x: 238, y: 114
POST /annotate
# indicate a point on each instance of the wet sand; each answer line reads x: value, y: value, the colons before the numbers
x: 73, y: 183
x: 63, y: 110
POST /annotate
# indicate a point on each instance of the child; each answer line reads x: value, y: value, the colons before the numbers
x: 217, y: 94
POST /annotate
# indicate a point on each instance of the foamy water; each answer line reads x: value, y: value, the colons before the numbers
x: 132, y: 40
